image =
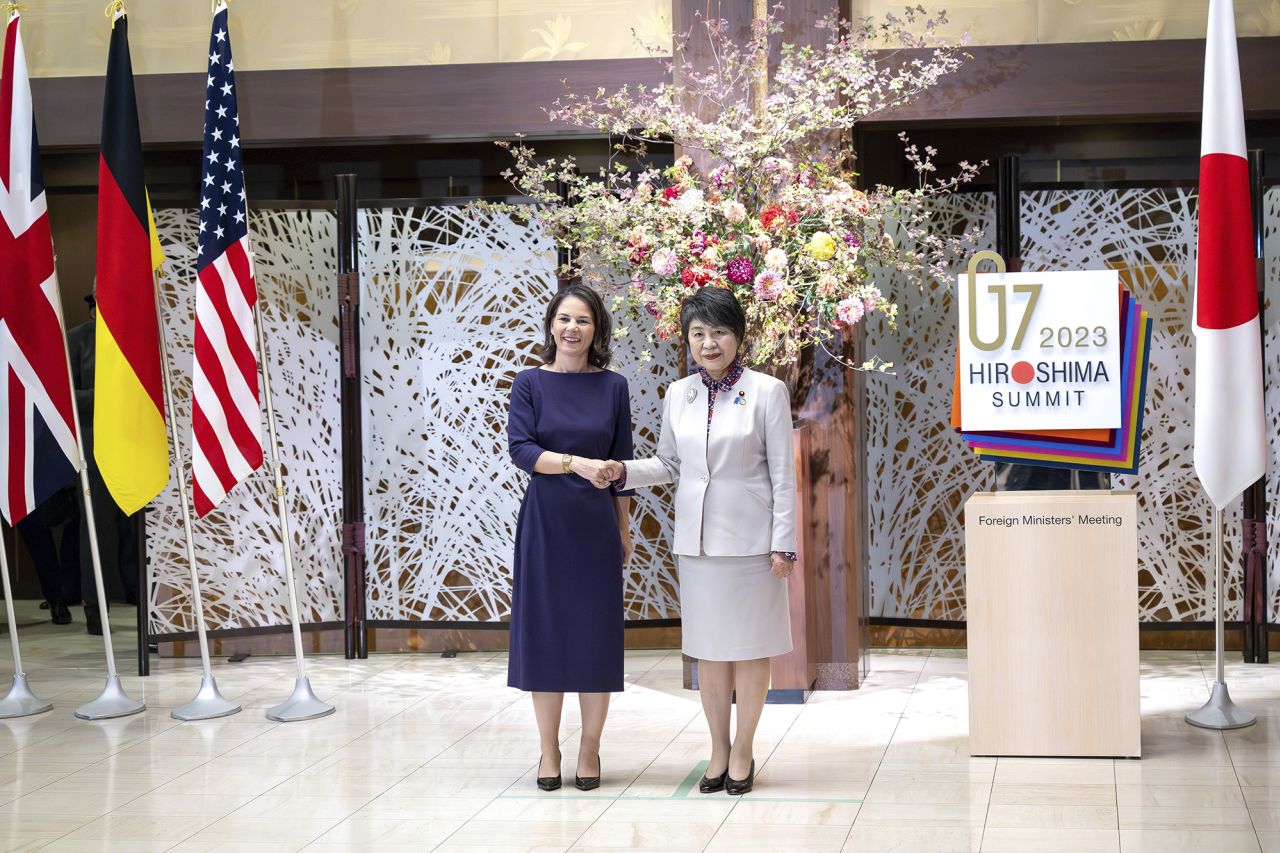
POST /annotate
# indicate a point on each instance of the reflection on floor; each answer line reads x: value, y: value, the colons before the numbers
x: 430, y: 753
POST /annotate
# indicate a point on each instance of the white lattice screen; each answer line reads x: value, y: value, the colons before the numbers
x: 917, y: 557
x: 453, y: 307
x: 238, y: 545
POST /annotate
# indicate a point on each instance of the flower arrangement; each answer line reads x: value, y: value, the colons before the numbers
x: 776, y: 215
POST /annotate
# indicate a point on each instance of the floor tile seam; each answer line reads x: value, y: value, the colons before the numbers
x: 454, y: 743
x: 68, y: 832
x: 739, y: 799
x: 295, y: 776
x: 1115, y: 782
x: 889, y: 744
x: 187, y: 838
x: 649, y: 669
x: 460, y: 827
x: 1240, y: 787
x: 95, y: 764
x: 645, y: 769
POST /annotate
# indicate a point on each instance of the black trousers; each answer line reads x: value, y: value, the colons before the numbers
x: 52, y: 535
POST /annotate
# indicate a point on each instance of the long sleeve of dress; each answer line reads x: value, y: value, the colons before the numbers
x: 622, y: 449
x: 522, y: 440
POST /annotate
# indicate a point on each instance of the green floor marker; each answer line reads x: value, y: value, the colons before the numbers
x: 692, y: 779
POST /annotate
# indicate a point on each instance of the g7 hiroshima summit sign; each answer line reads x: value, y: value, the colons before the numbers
x: 1038, y: 350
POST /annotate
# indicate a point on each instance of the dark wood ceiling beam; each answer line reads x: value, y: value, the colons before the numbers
x: 1091, y: 82
x: 1031, y: 84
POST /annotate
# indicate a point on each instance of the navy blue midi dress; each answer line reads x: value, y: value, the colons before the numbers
x: 566, y: 598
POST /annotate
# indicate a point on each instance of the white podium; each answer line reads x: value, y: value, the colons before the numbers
x: 1052, y: 590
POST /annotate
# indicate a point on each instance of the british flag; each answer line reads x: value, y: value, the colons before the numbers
x: 38, y: 449
x: 226, y: 418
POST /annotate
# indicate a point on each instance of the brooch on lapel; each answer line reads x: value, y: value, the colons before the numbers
x: 691, y: 396
x: 741, y: 399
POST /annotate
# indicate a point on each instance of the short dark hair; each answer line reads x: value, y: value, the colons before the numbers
x: 715, y: 306
x: 601, y: 353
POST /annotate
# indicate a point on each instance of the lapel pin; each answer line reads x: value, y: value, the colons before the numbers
x: 741, y: 399
x: 691, y: 396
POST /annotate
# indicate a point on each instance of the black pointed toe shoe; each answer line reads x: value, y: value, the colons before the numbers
x: 588, y: 783
x: 548, y: 783
x: 709, y: 785
x: 741, y: 786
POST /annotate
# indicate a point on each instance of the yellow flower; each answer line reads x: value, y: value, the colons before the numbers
x: 821, y: 246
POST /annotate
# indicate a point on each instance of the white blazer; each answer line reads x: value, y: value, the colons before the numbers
x: 735, y: 487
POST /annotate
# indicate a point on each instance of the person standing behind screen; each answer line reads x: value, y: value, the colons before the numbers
x: 726, y: 444
x: 113, y: 526
x: 572, y: 537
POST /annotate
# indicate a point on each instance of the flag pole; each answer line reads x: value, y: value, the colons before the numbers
x: 302, y: 704
x: 113, y: 701
x: 1219, y: 712
x: 208, y: 703
x: 20, y: 701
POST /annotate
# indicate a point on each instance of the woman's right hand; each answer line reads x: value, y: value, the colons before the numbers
x: 592, y: 470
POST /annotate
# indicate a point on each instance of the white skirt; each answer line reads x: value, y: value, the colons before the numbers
x: 732, y: 608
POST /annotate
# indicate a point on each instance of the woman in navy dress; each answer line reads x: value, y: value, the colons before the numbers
x: 573, y: 537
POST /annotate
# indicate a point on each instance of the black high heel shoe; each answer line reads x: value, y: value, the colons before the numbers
x: 737, y: 787
x: 708, y: 785
x: 588, y: 783
x: 548, y: 783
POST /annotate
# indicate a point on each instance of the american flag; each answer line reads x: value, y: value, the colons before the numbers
x: 38, y: 449
x: 226, y: 419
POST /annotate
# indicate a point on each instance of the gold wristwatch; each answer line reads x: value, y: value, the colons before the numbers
x: 565, y: 461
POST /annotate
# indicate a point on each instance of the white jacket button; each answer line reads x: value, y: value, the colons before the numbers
x: 705, y: 478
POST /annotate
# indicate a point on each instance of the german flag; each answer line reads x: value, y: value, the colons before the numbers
x: 130, y: 445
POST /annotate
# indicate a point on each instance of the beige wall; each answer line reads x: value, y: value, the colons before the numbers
x: 1052, y: 21
x: 69, y: 37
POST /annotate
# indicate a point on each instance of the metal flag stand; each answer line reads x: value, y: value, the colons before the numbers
x: 1219, y: 712
x: 113, y: 701
x: 208, y: 703
x: 302, y: 704
x: 20, y: 701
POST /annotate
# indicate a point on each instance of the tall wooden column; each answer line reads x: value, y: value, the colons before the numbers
x: 829, y: 404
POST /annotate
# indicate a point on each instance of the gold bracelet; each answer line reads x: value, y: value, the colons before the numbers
x: 565, y: 461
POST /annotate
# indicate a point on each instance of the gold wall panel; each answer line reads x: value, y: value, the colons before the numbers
x: 985, y: 21
x: 1059, y: 21
x: 66, y: 38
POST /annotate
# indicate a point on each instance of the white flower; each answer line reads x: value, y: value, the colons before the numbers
x: 733, y: 211
x: 689, y: 201
x: 776, y: 259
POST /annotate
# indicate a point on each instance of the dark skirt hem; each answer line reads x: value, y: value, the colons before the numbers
x: 591, y: 688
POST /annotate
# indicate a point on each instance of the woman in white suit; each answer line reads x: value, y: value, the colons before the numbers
x: 726, y: 444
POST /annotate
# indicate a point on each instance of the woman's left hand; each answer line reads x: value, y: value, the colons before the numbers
x: 780, y: 565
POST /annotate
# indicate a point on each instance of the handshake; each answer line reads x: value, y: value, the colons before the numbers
x: 601, y: 473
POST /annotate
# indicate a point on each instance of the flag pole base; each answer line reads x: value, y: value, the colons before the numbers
x: 209, y: 704
x: 21, y: 702
x: 302, y: 705
x: 112, y: 702
x: 1220, y: 712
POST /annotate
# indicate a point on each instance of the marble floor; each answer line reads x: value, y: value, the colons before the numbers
x: 427, y: 753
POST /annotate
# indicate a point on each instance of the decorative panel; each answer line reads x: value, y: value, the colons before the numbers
x: 69, y: 37
x: 1271, y: 364
x: 452, y: 309
x: 921, y: 473
x: 239, y: 550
